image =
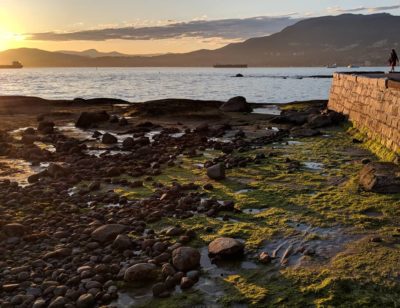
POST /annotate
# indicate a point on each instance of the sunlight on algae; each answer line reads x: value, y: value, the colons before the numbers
x: 251, y: 292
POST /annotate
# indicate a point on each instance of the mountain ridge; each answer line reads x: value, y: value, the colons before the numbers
x: 344, y: 39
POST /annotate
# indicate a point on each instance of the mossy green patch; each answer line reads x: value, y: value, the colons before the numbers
x: 374, y: 145
x: 191, y: 298
x: 246, y: 291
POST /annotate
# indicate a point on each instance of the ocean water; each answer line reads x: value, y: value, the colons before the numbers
x: 259, y: 85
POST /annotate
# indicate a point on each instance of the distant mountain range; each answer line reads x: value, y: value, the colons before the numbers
x: 93, y: 53
x: 344, y: 39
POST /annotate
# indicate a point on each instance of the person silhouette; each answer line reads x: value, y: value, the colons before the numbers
x: 393, y: 60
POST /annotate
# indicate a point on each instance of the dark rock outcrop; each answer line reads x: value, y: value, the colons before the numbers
x: 89, y: 119
x: 236, y: 104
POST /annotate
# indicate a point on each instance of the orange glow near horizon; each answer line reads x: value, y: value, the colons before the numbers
x: 9, y: 39
x: 9, y: 32
x: 124, y: 46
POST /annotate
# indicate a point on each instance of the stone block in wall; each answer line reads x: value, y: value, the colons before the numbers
x: 370, y: 104
x: 395, y: 122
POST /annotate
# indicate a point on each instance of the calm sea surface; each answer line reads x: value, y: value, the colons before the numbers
x: 259, y: 85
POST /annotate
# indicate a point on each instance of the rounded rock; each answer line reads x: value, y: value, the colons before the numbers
x: 226, y: 247
x: 185, y: 258
x: 141, y: 272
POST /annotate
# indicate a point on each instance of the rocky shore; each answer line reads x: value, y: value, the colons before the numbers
x: 184, y: 203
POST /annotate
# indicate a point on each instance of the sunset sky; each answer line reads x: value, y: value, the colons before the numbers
x: 158, y: 26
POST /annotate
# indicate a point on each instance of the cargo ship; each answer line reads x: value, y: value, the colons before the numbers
x: 15, y: 64
x: 230, y: 66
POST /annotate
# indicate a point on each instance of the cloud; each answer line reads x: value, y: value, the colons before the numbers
x: 230, y: 29
x: 383, y: 8
x: 339, y: 10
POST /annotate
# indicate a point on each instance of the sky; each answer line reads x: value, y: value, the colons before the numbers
x: 159, y: 26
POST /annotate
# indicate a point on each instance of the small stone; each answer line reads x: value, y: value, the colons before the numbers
x: 216, y: 172
x: 186, y: 283
x: 58, y: 253
x: 85, y: 301
x: 208, y: 186
x: 34, y: 291
x: 264, y: 258
x: 39, y: 303
x: 184, y: 239
x: 58, y: 302
x: 107, y: 232
x: 167, y: 270
x: 375, y: 239
x: 174, y: 231
x: 193, y: 275
x: 159, y: 289
x: 122, y: 242
x: 10, y: 287
x: 128, y: 143
x: 365, y: 161
x: 14, y: 230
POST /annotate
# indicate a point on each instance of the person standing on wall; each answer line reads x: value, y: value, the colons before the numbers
x: 393, y: 60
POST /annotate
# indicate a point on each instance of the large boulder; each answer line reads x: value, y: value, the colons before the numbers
x: 107, y: 233
x: 90, y: 119
x: 381, y: 177
x: 236, y: 104
x: 185, y: 258
x: 141, y: 272
x: 225, y: 247
x: 216, y: 172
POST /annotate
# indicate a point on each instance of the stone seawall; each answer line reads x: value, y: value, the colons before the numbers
x: 372, y: 103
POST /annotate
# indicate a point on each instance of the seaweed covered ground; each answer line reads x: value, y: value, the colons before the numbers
x: 312, y: 236
x: 353, y: 236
